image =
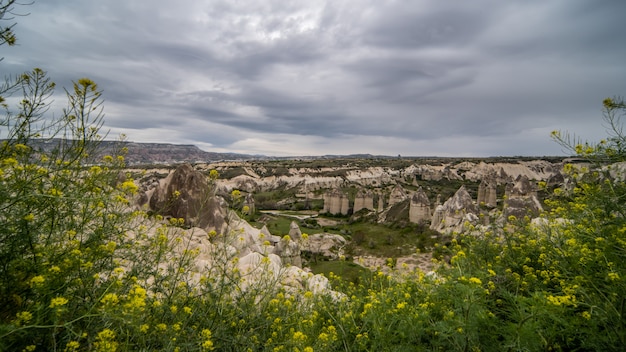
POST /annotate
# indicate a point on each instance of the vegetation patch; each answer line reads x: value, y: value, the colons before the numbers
x: 343, y: 270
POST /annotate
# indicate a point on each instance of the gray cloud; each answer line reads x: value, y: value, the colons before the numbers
x: 335, y: 77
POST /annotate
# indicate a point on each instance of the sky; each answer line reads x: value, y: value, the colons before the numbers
x: 293, y: 78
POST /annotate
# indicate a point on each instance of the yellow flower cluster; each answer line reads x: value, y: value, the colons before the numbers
x: 105, y: 341
x: 207, y: 342
x: 58, y: 302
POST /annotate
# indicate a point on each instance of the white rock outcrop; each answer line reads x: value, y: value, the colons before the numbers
x: 419, y: 209
x: 324, y: 245
x: 336, y: 202
x: 452, y: 215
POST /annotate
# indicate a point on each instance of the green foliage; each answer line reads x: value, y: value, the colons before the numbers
x: 60, y: 219
x: 386, y: 241
x: 344, y: 270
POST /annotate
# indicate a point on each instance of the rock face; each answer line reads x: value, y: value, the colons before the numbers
x: 336, y: 202
x: 363, y: 200
x: 487, y: 192
x: 315, y: 181
x: 324, y: 245
x: 289, y: 252
x: 186, y: 193
x: 228, y: 257
x: 521, y: 199
x: 398, y: 194
x: 419, y: 210
x: 427, y: 172
x: 452, y: 215
x: 294, y: 231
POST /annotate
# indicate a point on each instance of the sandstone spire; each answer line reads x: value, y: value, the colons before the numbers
x: 419, y: 210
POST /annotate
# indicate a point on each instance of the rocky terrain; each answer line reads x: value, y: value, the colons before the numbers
x: 444, y: 195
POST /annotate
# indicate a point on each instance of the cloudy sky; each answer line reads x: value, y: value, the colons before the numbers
x: 283, y: 77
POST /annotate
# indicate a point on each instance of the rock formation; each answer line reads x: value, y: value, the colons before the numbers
x: 452, y: 215
x: 363, y: 200
x: 398, y: 194
x: 419, y: 210
x: 487, y: 192
x: 381, y: 202
x: 324, y: 246
x: 294, y: 231
x: 289, y: 251
x: 186, y: 193
x: 521, y: 199
x: 336, y: 202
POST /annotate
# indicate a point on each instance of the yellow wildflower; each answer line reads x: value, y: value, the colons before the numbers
x: 105, y: 341
x: 475, y: 280
x: 109, y: 299
x: 299, y: 336
x: 72, y: 346
x: 207, y: 344
x: 23, y: 317
x: 58, y: 302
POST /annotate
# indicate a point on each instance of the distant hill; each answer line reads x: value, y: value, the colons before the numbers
x: 157, y: 153
x: 167, y: 153
x: 153, y: 153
